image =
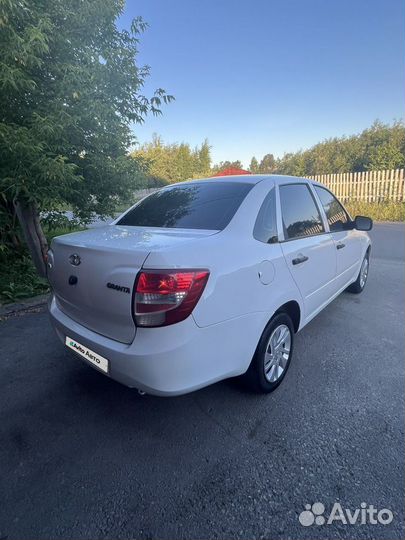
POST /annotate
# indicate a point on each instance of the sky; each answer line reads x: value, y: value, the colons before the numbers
x: 270, y: 76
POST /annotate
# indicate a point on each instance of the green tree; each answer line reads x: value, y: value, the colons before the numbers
x: 69, y: 88
x: 204, y: 158
x: 388, y: 152
x: 267, y: 164
x: 173, y: 162
x: 381, y: 146
x: 254, y: 166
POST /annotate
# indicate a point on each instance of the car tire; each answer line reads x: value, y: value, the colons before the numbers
x: 358, y: 286
x: 273, y: 355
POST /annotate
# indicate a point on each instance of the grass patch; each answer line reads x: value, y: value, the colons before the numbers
x: 383, y: 211
x: 18, y: 277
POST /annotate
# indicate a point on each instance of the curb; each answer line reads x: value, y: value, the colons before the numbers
x: 9, y: 309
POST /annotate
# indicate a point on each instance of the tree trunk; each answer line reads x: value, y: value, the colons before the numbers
x: 28, y: 217
x: 8, y: 234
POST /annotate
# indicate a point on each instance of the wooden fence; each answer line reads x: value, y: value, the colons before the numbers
x: 369, y: 186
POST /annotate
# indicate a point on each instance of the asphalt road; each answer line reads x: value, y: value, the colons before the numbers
x: 84, y: 457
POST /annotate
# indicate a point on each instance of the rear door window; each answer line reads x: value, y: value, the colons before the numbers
x: 203, y: 205
x: 299, y: 212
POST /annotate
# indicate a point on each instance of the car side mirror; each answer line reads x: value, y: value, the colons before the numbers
x: 363, y: 223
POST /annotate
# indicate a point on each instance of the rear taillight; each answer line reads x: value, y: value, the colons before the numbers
x: 165, y: 297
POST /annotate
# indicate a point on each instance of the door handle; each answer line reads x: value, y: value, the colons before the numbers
x: 340, y: 245
x: 300, y: 259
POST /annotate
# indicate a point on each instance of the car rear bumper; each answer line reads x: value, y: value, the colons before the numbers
x: 174, y: 359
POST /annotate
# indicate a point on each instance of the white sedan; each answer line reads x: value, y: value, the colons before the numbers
x: 205, y: 280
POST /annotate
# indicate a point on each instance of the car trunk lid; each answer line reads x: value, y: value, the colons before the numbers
x: 93, y: 272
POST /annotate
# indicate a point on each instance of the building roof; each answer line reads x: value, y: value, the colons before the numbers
x: 232, y: 171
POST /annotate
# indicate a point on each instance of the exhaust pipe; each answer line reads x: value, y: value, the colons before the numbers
x: 141, y: 392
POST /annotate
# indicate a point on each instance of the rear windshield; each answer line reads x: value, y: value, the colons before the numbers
x: 205, y: 205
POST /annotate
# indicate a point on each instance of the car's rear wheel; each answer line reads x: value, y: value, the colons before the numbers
x: 273, y: 355
x: 358, y: 286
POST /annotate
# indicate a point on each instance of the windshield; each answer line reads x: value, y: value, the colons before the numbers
x: 203, y: 205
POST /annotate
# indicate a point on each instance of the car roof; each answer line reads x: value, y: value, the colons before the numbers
x: 249, y: 179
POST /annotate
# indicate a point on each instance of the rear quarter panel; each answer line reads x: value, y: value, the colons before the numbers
x: 234, y: 259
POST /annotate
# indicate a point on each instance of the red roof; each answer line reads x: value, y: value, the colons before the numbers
x: 231, y: 172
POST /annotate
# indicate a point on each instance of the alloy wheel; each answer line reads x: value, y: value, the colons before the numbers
x: 277, y: 353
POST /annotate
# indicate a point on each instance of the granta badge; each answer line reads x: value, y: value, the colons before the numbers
x: 120, y: 288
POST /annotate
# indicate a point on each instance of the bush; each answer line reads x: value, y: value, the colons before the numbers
x: 18, y: 276
x: 382, y: 211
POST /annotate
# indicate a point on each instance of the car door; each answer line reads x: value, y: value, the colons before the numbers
x: 345, y: 237
x: 308, y: 248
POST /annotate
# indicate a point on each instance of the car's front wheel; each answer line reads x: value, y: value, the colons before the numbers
x: 273, y: 355
x: 358, y: 286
